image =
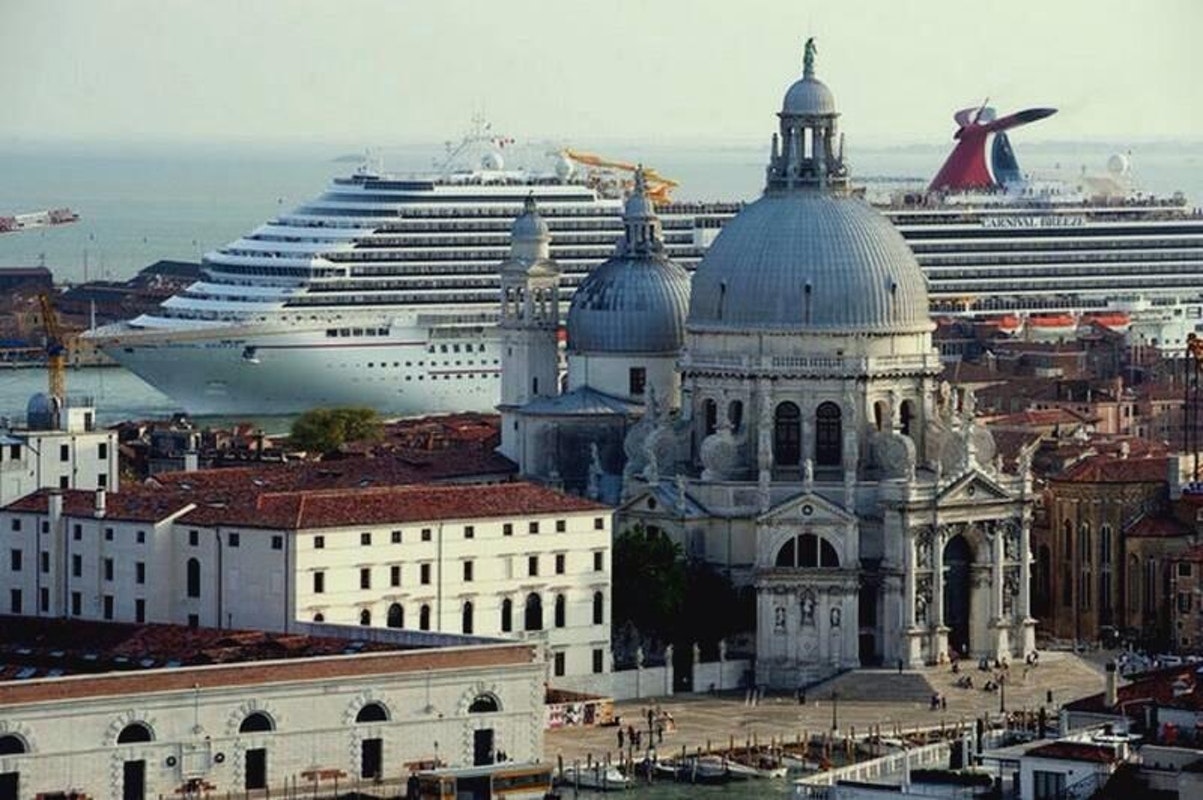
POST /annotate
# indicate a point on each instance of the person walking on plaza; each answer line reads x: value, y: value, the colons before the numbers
x: 620, y: 737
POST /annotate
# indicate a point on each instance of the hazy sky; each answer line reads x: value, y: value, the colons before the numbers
x: 377, y: 72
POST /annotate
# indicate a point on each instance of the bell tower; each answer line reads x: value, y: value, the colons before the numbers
x: 530, y: 315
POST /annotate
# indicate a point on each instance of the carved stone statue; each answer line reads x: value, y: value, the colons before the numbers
x: 808, y: 607
x: 682, y: 500
x: 835, y: 616
x: 808, y: 475
x: 808, y: 58
x: 779, y: 619
x: 593, y: 488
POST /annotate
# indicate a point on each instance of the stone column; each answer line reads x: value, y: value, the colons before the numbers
x: 912, y: 641
x: 998, y: 623
x: 940, y: 640
x: 1028, y: 630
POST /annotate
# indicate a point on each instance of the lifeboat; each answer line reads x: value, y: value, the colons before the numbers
x: 1010, y: 325
x: 1052, y: 326
x: 1117, y: 321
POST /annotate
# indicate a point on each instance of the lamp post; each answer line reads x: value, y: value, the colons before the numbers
x: 1002, y: 694
x: 835, y: 711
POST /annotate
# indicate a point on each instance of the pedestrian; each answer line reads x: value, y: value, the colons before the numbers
x: 943, y: 702
x: 660, y: 732
x: 900, y: 666
x: 631, y: 734
x: 620, y: 737
x: 651, y: 716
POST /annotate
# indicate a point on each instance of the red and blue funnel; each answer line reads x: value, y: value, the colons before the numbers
x: 969, y: 167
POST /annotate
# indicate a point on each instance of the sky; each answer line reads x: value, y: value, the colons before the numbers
x: 373, y: 72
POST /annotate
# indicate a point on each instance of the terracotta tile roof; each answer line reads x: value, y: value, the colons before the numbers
x: 399, y: 504
x: 1157, y: 528
x: 137, y: 505
x: 1042, y: 418
x: 1075, y: 751
x: 1114, y: 469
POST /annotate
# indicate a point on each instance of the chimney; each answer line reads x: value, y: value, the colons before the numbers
x: 191, y: 461
x: 99, y: 508
x: 1174, y: 477
x: 54, y: 508
x: 1111, y: 695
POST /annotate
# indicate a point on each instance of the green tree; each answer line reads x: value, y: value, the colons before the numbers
x: 649, y: 582
x: 325, y: 429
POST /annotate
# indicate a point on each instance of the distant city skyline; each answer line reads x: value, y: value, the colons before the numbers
x: 370, y: 72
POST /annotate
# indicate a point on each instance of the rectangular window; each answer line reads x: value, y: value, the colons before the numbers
x: 396, y: 537
x: 102, y: 481
x: 45, y: 526
x: 365, y: 578
x: 45, y: 563
x: 14, y: 601
x: 426, y: 534
x: 44, y: 599
x: 139, y: 610
x: 424, y: 574
x: 365, y: 539
x: 1183, y: 570
x: 599, y: 661
x: 469, y: 531
x: 319, y: 542
x: 76, y: 604
x: 467, y: 572
x: 277, y: 543
x: 77, y: 565
x: 532, y: 566
x: 79, y: 532
x: 64, y: 452
x: 533, y: 527
x: 1184, y: 602
x: 108, y: 606
x: 140, y: 572
x: 193, y: 620
x: 108, y: 569
x: 16, y: 525
x: 507, y: 529
x: 394, y: 575
x: 558, y: 660
x: 15, y: 557
x: 637, y: 381
x: 141, y: 537
x: 560, y: 563
x: 64, y: 482
x: 102, y: 450
x: 598, y: 561
x: 319, y: 582
x: 561, y: 525
x: 193, y: 538
x: 235, y: 540
x: 599, y: 523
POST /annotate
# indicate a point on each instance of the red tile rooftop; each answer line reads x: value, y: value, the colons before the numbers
x: 1076, y: 751
x: 39, y: 647
x: 1116, y: 469
x: 1173, y: 687
x: 1157, y: 528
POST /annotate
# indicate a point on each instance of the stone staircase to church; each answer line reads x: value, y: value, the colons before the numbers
x: 876, y: 686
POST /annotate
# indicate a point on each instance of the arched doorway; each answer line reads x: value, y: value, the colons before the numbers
x: 787, y: 435
x: 958, y: 587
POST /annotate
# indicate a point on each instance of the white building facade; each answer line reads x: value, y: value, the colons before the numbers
x: 504, y: 560
x: 60, y: 447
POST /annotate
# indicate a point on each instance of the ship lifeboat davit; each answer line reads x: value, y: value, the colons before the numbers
x: 1010, y: 325
x: 1116, y: 321
x: 1052, y: 326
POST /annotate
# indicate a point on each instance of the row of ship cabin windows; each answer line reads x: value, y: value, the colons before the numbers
x: 787, y: 429
x: 532, y: 616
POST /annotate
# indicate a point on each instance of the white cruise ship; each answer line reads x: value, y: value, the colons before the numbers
x: 383, y: 291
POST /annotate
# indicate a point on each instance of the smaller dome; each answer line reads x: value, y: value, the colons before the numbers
x: 808, y: 97
x: 639, y: 205
x: 529, y: 224
x: 492, y: 161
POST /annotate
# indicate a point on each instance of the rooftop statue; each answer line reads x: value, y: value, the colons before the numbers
x: 808, y: 58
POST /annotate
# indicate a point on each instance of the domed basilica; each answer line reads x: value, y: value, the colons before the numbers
x: 780, y: 416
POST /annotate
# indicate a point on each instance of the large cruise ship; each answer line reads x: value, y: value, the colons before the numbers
x: 383, y: 291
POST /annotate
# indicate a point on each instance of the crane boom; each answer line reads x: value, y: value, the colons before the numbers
x: 658, y: 186
x: 56, y: 348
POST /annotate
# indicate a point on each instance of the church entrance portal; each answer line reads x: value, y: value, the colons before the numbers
x: 958, y: 558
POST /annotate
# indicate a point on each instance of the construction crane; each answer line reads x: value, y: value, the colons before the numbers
x: 658, y: 186
x: 56, y: 348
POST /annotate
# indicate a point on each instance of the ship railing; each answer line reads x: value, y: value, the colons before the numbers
x: 840, y: 364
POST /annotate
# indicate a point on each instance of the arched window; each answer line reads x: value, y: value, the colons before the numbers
x: 319, y: 617
x: 258, y: 722
x: 828, y: 435
x: 1085, y: 556
x: 787, y: 435
x: 1105, y: 544
x: 135, y: 732
x: 466, y: 617
x: 12, y: 745
x: 396, y: 616
x: 879, y: 415
x: 560, y: 611
x: 534, y: 612
x: 807, y: 550
x: 194, y: 578
x: 906, y: 414
x: 365, y: 617
x: 735, y: 415
x: 1133, y: 599
x: 599, y: 608
x: 507, y: 615
x: 1067, y: 543
x: 484, y: 704
x: 710, y: 415
x: 372, y: 712
x: 424, y: 617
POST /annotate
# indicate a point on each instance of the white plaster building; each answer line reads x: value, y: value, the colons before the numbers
x: 507, y: 560
x: 155, y: 711
x: 60, y: 447
x: 814, y: 456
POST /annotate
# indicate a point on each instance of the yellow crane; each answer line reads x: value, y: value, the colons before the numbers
x: 56, y: 348
x: 658, y: 186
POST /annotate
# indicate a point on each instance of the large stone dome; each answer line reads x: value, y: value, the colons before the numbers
x: 630, y: 305
x: 810, y: 260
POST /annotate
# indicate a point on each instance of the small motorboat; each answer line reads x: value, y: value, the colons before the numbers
x: 598, y: 777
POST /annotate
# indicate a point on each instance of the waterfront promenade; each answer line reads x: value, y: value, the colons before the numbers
x: 864, y: 698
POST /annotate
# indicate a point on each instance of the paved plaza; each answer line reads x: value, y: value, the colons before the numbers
x: 864, y: 698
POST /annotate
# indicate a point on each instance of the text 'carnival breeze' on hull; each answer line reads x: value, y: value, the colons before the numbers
x: 384, y: 291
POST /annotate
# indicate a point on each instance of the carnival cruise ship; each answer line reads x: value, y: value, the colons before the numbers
x: 383, y: 291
